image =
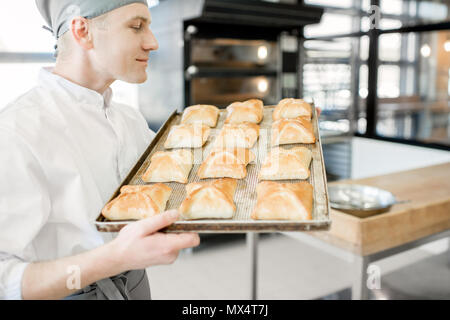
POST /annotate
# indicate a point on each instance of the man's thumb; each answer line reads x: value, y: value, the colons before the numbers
x: 155, y: 223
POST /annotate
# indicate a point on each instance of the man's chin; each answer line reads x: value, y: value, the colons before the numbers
x: 138, y: 78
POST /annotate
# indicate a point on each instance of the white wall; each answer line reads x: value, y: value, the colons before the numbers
x: 373, y: 157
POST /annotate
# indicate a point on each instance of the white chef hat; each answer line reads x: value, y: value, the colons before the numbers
x: 58, y: 13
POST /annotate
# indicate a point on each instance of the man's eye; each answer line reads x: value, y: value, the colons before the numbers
x: 139, y: 27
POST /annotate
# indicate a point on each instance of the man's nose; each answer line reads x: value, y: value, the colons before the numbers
x: 150, y: 42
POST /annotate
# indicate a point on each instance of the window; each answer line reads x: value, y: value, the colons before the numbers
x: 25, y: 47
x: 389, y: 47
x: 328, y: 85
x: 21, y: 26
x: 16, y: 79
x: 391, y: 6
x: 364, y: 48
x: 388, y: 81
x: 330, y: 24
x: 331, y: 3
x: 27, y: 38
x: 413, y: 97
x: 413, y: 88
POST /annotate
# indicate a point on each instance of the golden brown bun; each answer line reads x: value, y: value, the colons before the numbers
x: 286, y: 131
x: 210, y: 199
x: 292, y: 108
x: 193, y: 135
x: 283, y: 201
x: 283, y: 164
x: 201, y: 113
x: 237, y: 135
x: 137, y: 202
x: 229, y: 163
x: 166, y: 166
x: 247, y: 111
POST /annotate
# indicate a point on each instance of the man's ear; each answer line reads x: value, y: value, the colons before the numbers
x: 81, y: 33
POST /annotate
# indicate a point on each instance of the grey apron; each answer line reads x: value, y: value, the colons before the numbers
x: 130, y: 285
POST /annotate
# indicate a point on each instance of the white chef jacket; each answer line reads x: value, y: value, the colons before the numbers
x: 64, y: 149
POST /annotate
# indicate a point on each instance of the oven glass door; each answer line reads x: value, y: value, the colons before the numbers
x: 222, y: 71
x: 234, y: 54
x: 221, y: 91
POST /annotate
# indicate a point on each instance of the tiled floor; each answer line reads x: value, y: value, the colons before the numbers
x: 290, y: 269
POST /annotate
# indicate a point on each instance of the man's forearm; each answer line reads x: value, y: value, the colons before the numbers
x: 59, y: 278
x: 138, y: 245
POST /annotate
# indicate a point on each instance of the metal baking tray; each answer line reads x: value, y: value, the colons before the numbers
x: 360, y: 200
x: 245, y: 196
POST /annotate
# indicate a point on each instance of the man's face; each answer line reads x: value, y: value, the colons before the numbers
x: 122, y: 43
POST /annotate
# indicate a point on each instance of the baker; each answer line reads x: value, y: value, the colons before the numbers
x: 65, y: 147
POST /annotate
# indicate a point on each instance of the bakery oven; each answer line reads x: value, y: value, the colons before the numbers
x: 221, y: 51
x: 220, y: 70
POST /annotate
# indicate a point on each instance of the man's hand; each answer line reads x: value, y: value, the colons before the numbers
x: 140, y: 245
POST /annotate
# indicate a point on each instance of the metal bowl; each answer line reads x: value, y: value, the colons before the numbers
x: 360, y: 200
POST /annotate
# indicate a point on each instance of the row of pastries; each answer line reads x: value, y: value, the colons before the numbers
x: 228, y: 159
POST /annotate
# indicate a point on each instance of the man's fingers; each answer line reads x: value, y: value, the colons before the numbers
x: 155, y: 223
x: 182, y: 240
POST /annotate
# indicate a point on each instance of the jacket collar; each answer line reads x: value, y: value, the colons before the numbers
x: 77, y: 92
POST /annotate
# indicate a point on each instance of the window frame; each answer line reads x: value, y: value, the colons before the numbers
x: 373, y: 62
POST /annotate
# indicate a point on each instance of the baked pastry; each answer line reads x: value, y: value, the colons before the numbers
x: 166, y: 166
x: 137, y: 202
x: 283, y: 201
x: 193, y: 135
x: 230, y: 163
x: 210, y: 199
x: 237, y: 135
x: 247, y: 111
x: 292, y: 108
x: 201, y: 113
x: 286, y: 131
x: 283, y: 164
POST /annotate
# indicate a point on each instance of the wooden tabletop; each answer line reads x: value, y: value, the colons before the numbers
x: 428, y: 212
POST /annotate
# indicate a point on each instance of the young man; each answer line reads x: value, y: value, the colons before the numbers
x: 65, y: 147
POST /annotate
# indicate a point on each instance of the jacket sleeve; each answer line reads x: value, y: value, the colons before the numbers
x: 24, y: 209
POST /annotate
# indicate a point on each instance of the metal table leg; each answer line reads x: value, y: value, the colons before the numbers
x: 252, y: 244
x: 361, y: 264
x: 359, y: 287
